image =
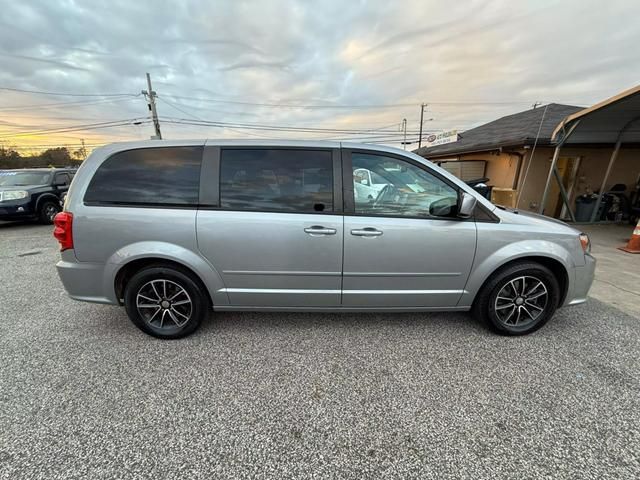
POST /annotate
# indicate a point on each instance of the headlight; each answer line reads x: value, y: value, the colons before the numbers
x: 14, y: 195
x: 585, y: 242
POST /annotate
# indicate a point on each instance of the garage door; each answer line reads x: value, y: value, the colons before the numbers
x: 467, y: 169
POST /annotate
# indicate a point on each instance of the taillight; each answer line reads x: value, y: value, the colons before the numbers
x: 63, y: 233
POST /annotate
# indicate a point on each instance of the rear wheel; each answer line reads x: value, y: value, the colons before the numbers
x: 47, y: 212
x: 518, y: 299
x: 165, y: 302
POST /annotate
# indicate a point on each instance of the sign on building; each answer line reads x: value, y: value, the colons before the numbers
x: 442, y: 138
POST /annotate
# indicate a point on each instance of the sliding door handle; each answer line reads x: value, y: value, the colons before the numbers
x: 366, y: 232
x: 319, y: 230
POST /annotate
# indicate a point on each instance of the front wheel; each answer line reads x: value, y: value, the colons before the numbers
x: 165, y: 302
x: 519, y: 299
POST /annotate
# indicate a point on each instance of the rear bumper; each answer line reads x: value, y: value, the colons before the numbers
x: 582, y: 279
x: 83, y: 281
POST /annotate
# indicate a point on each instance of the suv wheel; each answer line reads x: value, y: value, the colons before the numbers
x: 518, y: 299
x: 165, y: 302
x: 47, y: 212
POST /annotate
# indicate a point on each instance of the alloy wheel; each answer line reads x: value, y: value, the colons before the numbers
x: 50, y: 211
x: 521, y: 301
x: 164, y: 304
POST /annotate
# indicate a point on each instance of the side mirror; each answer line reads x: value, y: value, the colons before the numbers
x: 467, y: 205
x: 364, y: 181
x: 444, y: 207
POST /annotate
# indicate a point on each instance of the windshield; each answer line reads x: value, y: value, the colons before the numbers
x: 16, y: 179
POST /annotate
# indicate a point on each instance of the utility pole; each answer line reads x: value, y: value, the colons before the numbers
x: 421, y: 119
x: 151, y: 95
x: 404, y: 128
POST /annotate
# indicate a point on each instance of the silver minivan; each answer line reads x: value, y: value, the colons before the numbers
x: 173, y: 229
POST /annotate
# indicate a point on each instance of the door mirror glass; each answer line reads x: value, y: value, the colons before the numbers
x: 445, y: 207
x: 467, y: 205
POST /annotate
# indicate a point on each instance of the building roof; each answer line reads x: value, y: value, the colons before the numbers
x: 513, y: 130
x: 604, y: 122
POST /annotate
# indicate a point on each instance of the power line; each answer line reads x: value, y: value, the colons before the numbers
x: 49, y: 128
x: 57, y: 126
x: 55, y: 145
x: 288, y: 105
x: 72, y: 128
x: 60, y: 104
x: 174, y: 106
x: 177, y: 106
x: 289, y: 128
x: 379, y: 137
x: 353, y: 106
x: 62, y: 94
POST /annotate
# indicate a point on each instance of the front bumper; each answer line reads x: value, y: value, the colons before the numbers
x: 15, y: 210
x: 582, y: 279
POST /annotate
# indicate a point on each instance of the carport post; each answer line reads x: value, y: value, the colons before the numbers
x: 614, y: 155
x: 554, y: 162
x: 605, y: 178
x: 563, y: 192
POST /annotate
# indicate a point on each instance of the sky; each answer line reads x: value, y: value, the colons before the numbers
x: 331, y: 69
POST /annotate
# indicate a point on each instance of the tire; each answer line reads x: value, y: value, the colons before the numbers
x: 503, y: 306
x: 47, y: 212
x: 172, y: 313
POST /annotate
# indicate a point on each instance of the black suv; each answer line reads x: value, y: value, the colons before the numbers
x: 35, y: 193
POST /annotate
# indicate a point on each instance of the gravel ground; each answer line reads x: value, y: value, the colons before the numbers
x: 84, y: 394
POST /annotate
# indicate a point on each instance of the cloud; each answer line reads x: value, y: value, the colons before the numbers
x: 256, y: 64
x: 57, y: 63
x: 451, y: 56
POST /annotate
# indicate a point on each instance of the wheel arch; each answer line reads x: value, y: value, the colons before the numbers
x: 44, y: 197
x: 130, y: 269
x: 557, y: 268
x: 555, y: 259
x: 124, y: 263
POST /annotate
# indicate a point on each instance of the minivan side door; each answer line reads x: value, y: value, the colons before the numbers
x: 271, y: 224
x: 396, y: 254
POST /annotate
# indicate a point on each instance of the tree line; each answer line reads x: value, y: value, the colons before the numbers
x: 52, y: 157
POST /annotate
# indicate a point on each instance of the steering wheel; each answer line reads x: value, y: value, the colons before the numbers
x: 388, y: 188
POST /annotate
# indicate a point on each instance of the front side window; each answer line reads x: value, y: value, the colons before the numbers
x: 148, y: 176
x: 62, y: 179
x: 277, y: 180
x: 388, y: 186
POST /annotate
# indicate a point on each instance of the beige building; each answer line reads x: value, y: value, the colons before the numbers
x: 516, y: 152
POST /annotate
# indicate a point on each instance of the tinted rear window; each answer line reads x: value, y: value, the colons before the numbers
x: 276, y: 180
x: 148, y: 176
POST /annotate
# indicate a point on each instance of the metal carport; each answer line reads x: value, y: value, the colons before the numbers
x: 611, y: 122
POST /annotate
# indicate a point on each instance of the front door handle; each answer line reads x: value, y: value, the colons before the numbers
x: 367, y: 232
x: 319, y: 230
